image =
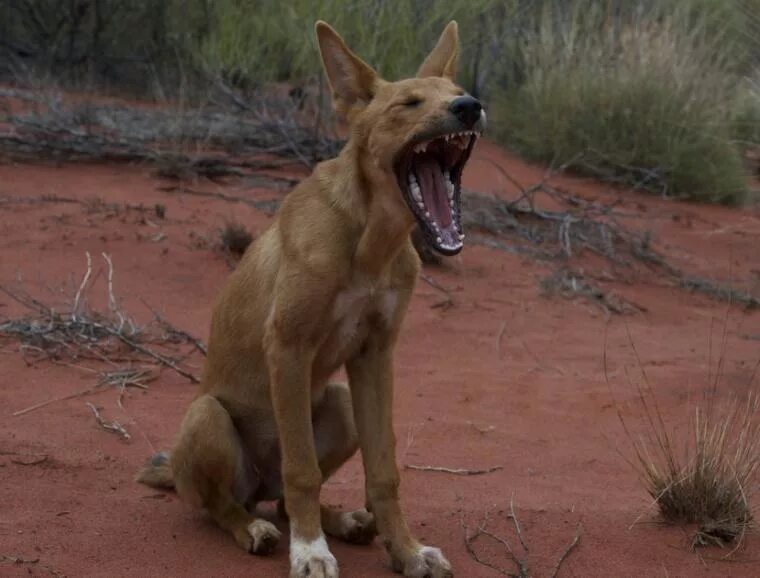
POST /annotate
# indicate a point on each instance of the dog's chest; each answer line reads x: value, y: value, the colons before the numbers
x: 355, y: 312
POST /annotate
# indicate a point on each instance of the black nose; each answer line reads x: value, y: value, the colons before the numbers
x: 467, y: 109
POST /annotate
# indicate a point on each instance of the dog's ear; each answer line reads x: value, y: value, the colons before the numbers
x: 442, y: 61
x: 352, y: 81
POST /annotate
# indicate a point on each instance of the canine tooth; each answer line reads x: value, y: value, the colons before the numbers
x: 461, y: 236
x: 438, y: 240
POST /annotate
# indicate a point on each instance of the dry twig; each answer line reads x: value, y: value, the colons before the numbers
x: 521, y: 562
x: 455, y: 471
x: 570, y: 547
x: 90, y: 334
x: 112, y: 426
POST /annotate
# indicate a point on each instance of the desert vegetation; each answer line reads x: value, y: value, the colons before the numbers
x: 659, y: 95
x: 700, y: 465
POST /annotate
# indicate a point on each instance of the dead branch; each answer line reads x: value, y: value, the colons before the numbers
x: 570, y: 284
x: 499, y: 337
x: 127, y: 134
x: 521, y: 562
x: 455, y: 471
x: 516, y: 522
x: 21, y: 560
x: 570, y: 547
x: 556, y: 236
x: 42, y: 404
x: 469, y: 542
x: 89, y: 334
x: 448, y: 301
x: 29, y: 462
x: 112, y: 426
x: 269, y: 206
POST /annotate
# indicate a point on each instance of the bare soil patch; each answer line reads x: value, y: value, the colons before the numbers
x: 493, y: 375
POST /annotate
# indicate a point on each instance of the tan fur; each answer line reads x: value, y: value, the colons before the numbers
x: 327, y: 285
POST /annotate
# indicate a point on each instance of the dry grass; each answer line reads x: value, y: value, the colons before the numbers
x: 707, y: 475
x: 710, y: 484
x: 235, y: 238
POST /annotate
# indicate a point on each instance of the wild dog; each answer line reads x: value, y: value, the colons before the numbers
x: 328, y: 285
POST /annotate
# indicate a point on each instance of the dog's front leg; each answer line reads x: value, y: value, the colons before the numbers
x: 371, y: 380
x: 290, y: 374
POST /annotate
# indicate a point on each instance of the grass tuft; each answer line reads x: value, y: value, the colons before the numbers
x: 709, y: 484
x: 708, y: 476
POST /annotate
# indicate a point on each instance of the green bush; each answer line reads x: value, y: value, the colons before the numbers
x: 258, y: 41
x: 647, y: 101
x: 746, y: 120
x: 653, y: 93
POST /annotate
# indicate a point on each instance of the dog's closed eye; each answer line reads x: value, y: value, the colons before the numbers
x: 412, y: 101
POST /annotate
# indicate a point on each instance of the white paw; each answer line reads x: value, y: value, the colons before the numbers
x: 428, y: 562
x: 311, y: 559
x: 264, y: 536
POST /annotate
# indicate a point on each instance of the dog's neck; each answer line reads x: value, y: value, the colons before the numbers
x: 370, y: 196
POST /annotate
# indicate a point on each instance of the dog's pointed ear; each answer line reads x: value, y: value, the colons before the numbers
x: 353, y: 81
x: 442, y: 61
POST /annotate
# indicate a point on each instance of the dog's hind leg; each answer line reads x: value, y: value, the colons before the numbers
x: 336, y: 441
x: 209, y: 470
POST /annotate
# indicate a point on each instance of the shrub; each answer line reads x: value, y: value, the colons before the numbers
x: 260, y: 41
x: 746, y: 119
x: 652, y: 93
x: 646, y: 101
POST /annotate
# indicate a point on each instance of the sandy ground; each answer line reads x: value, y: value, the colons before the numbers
x: 504, y: 377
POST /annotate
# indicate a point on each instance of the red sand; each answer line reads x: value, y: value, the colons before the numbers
x: 505, y: 377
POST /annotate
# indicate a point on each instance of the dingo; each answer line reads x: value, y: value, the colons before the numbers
x: 327, y: 285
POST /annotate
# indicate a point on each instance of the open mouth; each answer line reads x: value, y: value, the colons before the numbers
x: 429, y: 174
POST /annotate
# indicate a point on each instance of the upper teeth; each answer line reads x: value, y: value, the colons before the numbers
x: 461, y: 139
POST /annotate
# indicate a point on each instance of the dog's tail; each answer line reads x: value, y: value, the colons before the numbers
x: 157, y: 473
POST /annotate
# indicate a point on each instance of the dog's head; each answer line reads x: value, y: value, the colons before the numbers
x: 421, y: 130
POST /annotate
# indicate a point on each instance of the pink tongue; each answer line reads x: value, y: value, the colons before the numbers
x: 433, y: 189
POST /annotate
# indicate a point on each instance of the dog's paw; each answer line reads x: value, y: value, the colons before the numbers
x: 358, y: 527
x: 259, y: 537
x: 312, y: 559
x: 427, y: 562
